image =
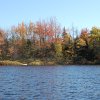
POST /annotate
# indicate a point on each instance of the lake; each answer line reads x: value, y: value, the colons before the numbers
x: 50, y: 83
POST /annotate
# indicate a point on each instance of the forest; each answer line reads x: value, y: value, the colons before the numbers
x: 47, y: 43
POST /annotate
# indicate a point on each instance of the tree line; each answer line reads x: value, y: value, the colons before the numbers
x: 47, y: 40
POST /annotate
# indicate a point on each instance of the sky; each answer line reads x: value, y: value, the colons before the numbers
x: 77, y: 13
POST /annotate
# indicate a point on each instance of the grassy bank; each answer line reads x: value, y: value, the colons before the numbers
x: 38, y: 62
x: 41, y: 62
x: 11, y: 63
x: 26, y: 62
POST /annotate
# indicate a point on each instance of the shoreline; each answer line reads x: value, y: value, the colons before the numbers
x: 40, y: 63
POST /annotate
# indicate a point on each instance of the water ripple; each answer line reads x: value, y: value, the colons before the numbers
x: 50, y: 83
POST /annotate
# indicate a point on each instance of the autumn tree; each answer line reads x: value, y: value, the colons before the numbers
x: 2, y: 42
x: 67, y: 46
x: 95, y: 42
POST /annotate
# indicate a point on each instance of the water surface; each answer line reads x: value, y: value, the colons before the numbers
x: 50, y: 83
